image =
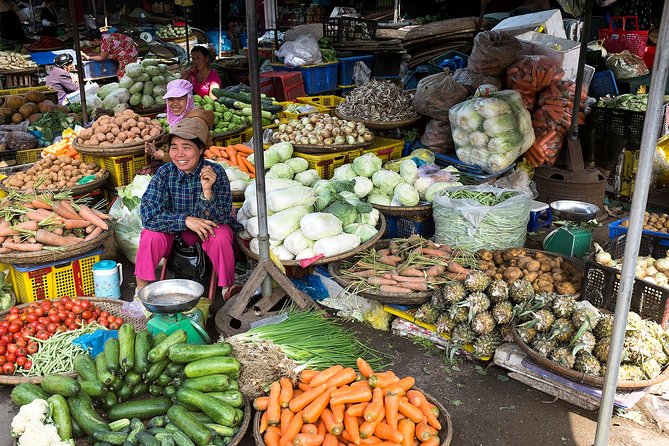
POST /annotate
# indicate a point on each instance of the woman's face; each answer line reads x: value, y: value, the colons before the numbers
x: 199, y: 61
x: 177, y: 105
x: 185, y: 154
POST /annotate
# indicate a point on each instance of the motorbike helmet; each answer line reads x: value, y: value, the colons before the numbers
x: 63, y: 60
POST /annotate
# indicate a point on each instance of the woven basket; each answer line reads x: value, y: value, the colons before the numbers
x: 332, y: 148
x: 44, y: 256
x: 117, y: 150
x: 412, y: 212
x: 382, y: 125
x: 79, y: 189
x: 113, y: 306
x: 445, y: 434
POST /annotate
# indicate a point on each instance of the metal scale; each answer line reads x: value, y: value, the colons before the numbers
x: 170, y: 302
x: 571, y: 240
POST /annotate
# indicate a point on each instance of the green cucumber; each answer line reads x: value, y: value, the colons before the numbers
x: 159, y: 351
x: 137, y: 426
x: 234, y: 385
x: 173, y: 369
x: 133, y: 378
x: 126, y: 340
x: 195, y: 430
x: 144, y: 409
x: 140, y: 389
x: 117, y: 383
x: 201, y: 417
x: 25, y: 393
x: 119, y: 425
x: 156, y: 430
x: 159, y: 421
x: 180, y: 438
x: 143, y: 344
x: 146, y: 439
x: 92, y: 388
x: 225, y: 365
x: 156, y: 390
x: 82, y: 411
x: 76, y: 430
x: 223, y: 431
x: 164, y: 380
x: 109, y: 400
x: 111, y: 352
x: 156, y: 370
x: 185, y: 353
x: 84, y: 365
x: 60, y: 385
x: 115, y: 438
x: 60, y: 414
x: 231, y: 397
x: 166, y: 440
x: 209, y: 383
x: 104, y: 376
x: 125, y: 391
x: 217, y: 410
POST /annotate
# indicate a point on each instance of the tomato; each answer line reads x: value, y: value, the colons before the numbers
x: 21, y: 351
x: 68, y: 306
x: 91, y: 320
x: 65, y: 299
x: 111, y: 318
x: 3, y: 359
x: 62, y: 315
x: 39, y: 312
x: 54, y: 318
x: 51, y: 328
x: 76, y: 309
x: 11, y: 357
x: 3, y: 331
x: 8, y: 369
x: 86, y: 314
x: 32, y: 348
x: 5, y: 339
x: 14, y: 328
x: 32, y: 317
x: 21, y: 342
x: 14, y: 310
x: 68, y: 321
x: 28, y: 365
x: 61, y: 328
x: 3, y: 349
x: 104, y: 314
x: 29, y: 330
x: 21, y: 361
x: 119, y: 321
x: 85, y: 304
x: 42, y: 335
x: 12, y: 318
x: 114, y: 326
x: 52, y: 311
x: 11, y: 348
x: 104, y: 323
x: 44, y: 320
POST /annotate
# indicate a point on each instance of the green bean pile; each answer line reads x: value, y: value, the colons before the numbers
x: 485, y: 198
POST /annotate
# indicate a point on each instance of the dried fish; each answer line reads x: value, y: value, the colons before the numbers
x: 379, y: 101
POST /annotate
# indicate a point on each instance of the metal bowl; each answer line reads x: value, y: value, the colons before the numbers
x: 573, y: 210
x: 171, y: 296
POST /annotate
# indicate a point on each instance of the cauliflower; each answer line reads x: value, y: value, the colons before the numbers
x: 38, y: 434
x: 35, y: 411
x: 29, y: 425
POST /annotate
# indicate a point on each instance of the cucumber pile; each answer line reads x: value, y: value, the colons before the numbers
x: 188, y: 393
x: 238, y: 98
x: 225, y: 119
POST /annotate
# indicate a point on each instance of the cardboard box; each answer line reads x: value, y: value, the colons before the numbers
x: 563, y: 51
x: 550, y: 21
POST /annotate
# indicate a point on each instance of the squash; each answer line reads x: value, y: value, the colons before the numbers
x: 46, y: 106
x: 28, y: 109
x: 34, y: 117
x: 17, y: 118
x: 34, y: 96
x: 15, y: 101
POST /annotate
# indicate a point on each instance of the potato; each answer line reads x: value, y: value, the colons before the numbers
x: 141, y: 125
x: 565, y: 288
x: 115, y: 130
x: 533, y: 265
x: 512, y: 274
x: 531, y: 277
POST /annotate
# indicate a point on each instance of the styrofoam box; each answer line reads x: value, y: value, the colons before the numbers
x: 550, y: 20
x: 563, y: 51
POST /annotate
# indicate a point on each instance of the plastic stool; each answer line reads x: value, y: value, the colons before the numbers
x: 540, y: 216
x: 212, y: 279
x: 288, y: 85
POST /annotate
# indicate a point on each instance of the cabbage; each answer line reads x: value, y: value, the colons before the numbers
x: 159, y: 91
x: 252, y: 226
x: 281, y: 224
x: 234, y: 173
x: 370, y: 218
x: 337, y: 244
x: 133, y: 69
x: 118, y: 96
x: 147, y: 101
x: 344, y: 211
x: 367, y: 164
x: 270, y: 185
x: 146, y: 63
x: 282, y: 170
x: 254, y: 246
x: 306, y: 254
x: 168, y: 78
x: 143, y: 78
x: 422, y: 184
x: 163, y: 67
x: 363, y: 231
x: 363, y: 186
x: 460, y: 137
x: 296, y: 242
x: 282, y: 253
x: 406, y: 195
x: 386, y: 180
x: 477, y: 139
x: 379, y: 198
x: 135, y: 99
x: 298, y: 164
x: 271, y: 157
x: 126, y: 82
x: 152, y: 71
x: 491, y: 107
x: 106, y: 90
x: 159, y: 100
x: 283, y: 149
x: 307, y: 178
x: 344, y: 172
x: 499, y: 124
x: 434, y: 189
x: 158, y: 80
x: 318, y: 225
x: 148, y: 88
x: 409, y: 171
x: 353, y: 199
x: 325, y: 194
x: 238, y: 185
x: 278, y: 200
x: 138, y: 87
x: 466, y: 117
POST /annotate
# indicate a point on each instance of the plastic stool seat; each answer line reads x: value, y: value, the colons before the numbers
x: 540, y: 216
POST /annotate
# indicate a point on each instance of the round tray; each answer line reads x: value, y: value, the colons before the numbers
x: 596, y: 381
x: 97, y: 183
x: 368, y: 244
x: 113, y: 306
x: 124, y: 149
x: 416, y: 298
x: 445, y: 434
x: 149, y: 110
x: 43, y: 256
x: 232, y: 132
x: 308, y: 148
x: 422, y: 210
x: 382, y: 125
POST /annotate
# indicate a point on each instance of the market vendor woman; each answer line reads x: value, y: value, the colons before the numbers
x: 114, y: 46
x: 189, y: 197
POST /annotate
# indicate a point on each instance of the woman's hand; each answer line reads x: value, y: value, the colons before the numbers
x: 203, y: 228
x: 150, y: 148
x: 207, y: 179
x: 84, y: 56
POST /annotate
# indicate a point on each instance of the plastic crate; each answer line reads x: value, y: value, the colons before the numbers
x: 451, y: 60
x: 625, y: 123
x: 601, y: 284
x: 346, y: 65
x: 344, y: 90
x: 318, y: 78
x: 28, y: 156
x: 617, y: 40
x: 121, y: 168
x: 341, y: 29
x: 229, y: 140
x: 19, y: 78
x: 649, y: 239
x: 97, y: 70
x: 286, y: 115
x: 326, y: 163
x: 69, y: 277
x: 401, y: 227
x: 48, y: 92
x: 603, y: 83
x: 386, y: 148
x: 387, y: 65
x: 288, y: 85
x: 328, y: 102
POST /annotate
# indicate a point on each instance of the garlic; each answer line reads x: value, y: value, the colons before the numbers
x: 662, y: 265
x: 651, y: 271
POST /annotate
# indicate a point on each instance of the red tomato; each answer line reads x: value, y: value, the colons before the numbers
x: 12, y: 318
x: 42, y: 335
x: 52, y: 311
x: 14, y: 310
x: 72, y: 327
x: 3, y: 331
x: 21, y: 361
x: 4, y: 324
x: 14, y: 328
x: 21, y: 351
x: 85, y: 304
x: 119, y: 321
x: 32, y: 317
x: 3, y: 359
x: 68, y: 321
x: 86, y: 314
x: 11, y: 357
x: 8, y: 369
x: 29, y: 330
x: 90, y: 321
x: 5, y: 339
x: 41, y: 326
x: 3, y: 349
x: 61, y: 328
x: 11, y: 348
x: 39, y: 312
x: 44, y: 320
x: 54, y: 318
x: 104, y: 322
x: 104, y: 314
x: 28, y: 365
x: 62, y: 315
x: 21, y: 342
x: 51, y: 328
x: 114, y: 326
x: 76, y: 309
x: 32, y: 348
x: 68, y: 306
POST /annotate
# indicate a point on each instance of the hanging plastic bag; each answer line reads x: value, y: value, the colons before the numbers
x: 302, y: 51
x: 493, y: 52
x: 20, y: 141
x: 436, y: 94
x: 361, y: 73
x: 473, y: 80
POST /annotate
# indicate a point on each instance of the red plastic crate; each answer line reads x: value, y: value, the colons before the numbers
x: 620, y: 39
x: 288, y: 85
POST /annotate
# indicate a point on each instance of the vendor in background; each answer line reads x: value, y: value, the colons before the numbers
x: 60, y: 77
x: 114, y: 46
x: 201, y: 74
x: 190, y: 197
x: 49, y: 19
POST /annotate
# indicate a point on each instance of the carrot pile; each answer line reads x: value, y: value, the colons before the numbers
x: 32, y: 223
x: 235, y: 155
x: 406, y: 266
x: 528, y: 75
x: 339, y: 406
x: 64, y: 146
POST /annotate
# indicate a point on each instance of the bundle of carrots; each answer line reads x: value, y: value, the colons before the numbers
x: 338, y: 406
x: 406, y: 266
x: 47, y: 222
x: 528, y: 75
x: 235, y: 155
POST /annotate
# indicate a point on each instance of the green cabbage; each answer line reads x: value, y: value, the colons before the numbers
x: 158, y: 80
x: 147, y: 101
x: 320, y: 225
x: 344, y: 211
x: 363, y: 186
x: 307, y: 178
x: 152, y: 71
x: 344, y: 172
x: 136, y: 88
x: 163, y: 67
x: 367, y: 164
x: 409, y: 171
x: 133, y: 69
x: 126, y: 82
x: 325, y: 194
x: 282, y: 170
x: 386, y: 180
x: 159, y: 100
x: 298, y: 164
x: 148, y: 88
x: 370, y: 218
x: 135, y: 99
x: 150, y: 62
x: 363, y: 231
x: 159, y: 91
x: 143, y: 77
x: 343, y: 185
x: 406, y: 195
x: 104, y: 91
x: 379, y: 198
x: 283, y: 149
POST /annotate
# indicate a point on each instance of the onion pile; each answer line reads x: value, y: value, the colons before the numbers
x: 320, y: 129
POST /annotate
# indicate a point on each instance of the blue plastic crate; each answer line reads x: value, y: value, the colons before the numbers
x: 649, y: 239
x: 469, y: 174
x: 400, y: 227
x: 346, y: 64
x: 451, y: 60
x: 603, y: 83
x: 317, y: 79
x: 96, y: 70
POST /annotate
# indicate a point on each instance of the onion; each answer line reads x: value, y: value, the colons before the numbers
x: 328, y: 141
x: 361, y: 139
x: 368, y: 136
x: 314, y: 119
x: 336, y: 131
x: 350, y: 139
x: 305, y: 121
x: 346, y: 130
x: 282, y: 128
x: 313, y: 140
x: 290, y: 129
x: 285, y: 138
x: 293, y: 122
x: 340, y: 140
x: 326, y: 133
x: 360, y: 128
x: 603, y: 258
x: 309, y: 127
x: 305, y: 132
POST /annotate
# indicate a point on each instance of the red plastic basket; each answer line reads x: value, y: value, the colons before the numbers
x: 620, y: 39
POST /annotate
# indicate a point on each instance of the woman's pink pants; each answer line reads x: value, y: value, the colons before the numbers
x: 154, y: 246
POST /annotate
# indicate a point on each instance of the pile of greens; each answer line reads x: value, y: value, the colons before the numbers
x: 633, y: 102
x: 51, y: 124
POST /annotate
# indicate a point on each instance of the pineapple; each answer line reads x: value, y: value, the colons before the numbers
x: 476, y: 303
x: 562, y: 330
x: 544, y: 300
x: 543, y: 320
x: 445, y: 324
x: 634, y: 321
x: 483, y: 323
x: 484, y: 346
x: 476, y: 281
x: 563, y: 356
x: 587, y: 363
x: 604, y: 327
x: 502, y: 312
x: 498, y: 291
x: 427, y: 313
x: 564, y: 305
x: 521, y: 291
x: 463, y: 334
x: 543, y: 345
x: 453, y: 292
x: 601, y: 350
x: 459, y: 314
x: 506, y: 331
x: 631, y: 372
x: 585, y: 312
x: 526, y: 334
x: 635, y: 347
x: 586, y: 341
x: 651, y: 368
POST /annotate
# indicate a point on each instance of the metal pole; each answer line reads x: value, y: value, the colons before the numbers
x: 573, y: 130
x: 220, y: 28
x: 104, y: 6
x: 258, y: 152
x: 95, y: 12
x: 396, y: 12
x: 187, y: 36
x: 643, y: 178
x: 80, y: 65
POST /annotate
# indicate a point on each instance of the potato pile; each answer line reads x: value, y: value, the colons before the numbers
x: 546, y: 273
x: 653, y: 222
x: 125, y: 127
x: 52, y: 172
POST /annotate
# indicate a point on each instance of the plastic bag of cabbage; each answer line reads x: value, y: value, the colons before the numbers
x: 146, y: 82
x: 492, y: 131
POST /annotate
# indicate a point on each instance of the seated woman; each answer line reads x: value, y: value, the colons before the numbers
x: 203, y: 77
x: 60, y: 77
x: 190, y: 197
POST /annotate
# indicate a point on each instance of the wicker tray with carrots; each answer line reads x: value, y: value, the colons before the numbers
x: 235, y: 155
x: 342, y: 405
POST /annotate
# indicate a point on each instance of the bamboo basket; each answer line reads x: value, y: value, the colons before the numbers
x: 79, y: 189
x: 381, y: 125
x: 44, y: 256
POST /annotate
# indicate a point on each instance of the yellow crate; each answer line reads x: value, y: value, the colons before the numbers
x: 49, y: 92
x: 628, y: 173
x: 28, y: 156
x: 326, y: 163
x: 285, y: 116
x: 330, y: 102
x: 248, y: 133
x: 386, y: 148
x: 121, y: 169
x: 70, y: 277
x: 229, y: 140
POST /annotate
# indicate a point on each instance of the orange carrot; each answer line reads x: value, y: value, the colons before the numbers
x: 414, y: 285
x: 293, y: 429
x: 49, y: 238
x: 75, y: 224
x: 433, y: 252
x: 342, y: 378
x: 457, y: 268
x: 392, y: 406
x: 361, y: 383
x: 308, y: 440
x: 303, y: 387
x: 307, y: 375
x: 322, y: 430
x: 340, y: 391
x: 364, y: 368
x: 435, y: 270
x: 424, y: 432
x: 432, y: 441
x: 374, y: 409
x: 286, y: 417
x: 94, y: 233
x: 338, y: 412
x: 6, y: 229
x: 271, y: 438
x: 40, y: 214
x: 23, y: 247
x: 263, y: 422
x: 407, y: 382
x: 28, y: 225
x: 383, y: 379
x: 300, y: 402
x: 394, y: 289
x: 309, y: 429
x: 378, y: 281
x: 352, y: 428
x: 355, y: 395
x: 430, y: 417
x: 407, y: 428
x: 367, y: 428
x: 313, y: 411
x: 232, y: 153
x: 39, y: 203
x: 65, y: 210
x: 331, y: 425
x: 325, y: 375
x: 273, y: 405
x: 410, y: 411
x: 330, y: 440
x: 357, y: 410
x: 241, y: 148
x: 249, y: 166
x: 389, y: 260
x: 86, y: 213
x: 286, y: 393
x: 386, y: 432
